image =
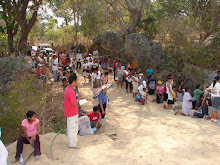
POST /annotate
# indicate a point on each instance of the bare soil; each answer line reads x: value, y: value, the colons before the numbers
x: 133, y: 134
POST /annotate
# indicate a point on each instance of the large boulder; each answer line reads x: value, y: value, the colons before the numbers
x: 138, y: 48
x: 11, y: 68
x: 110, y: 40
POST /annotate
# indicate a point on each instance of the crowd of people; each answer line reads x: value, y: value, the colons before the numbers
x: 95, y: 69
x: 204, y: 102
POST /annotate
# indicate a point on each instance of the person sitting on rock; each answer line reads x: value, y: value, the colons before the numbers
x: 31, y: 130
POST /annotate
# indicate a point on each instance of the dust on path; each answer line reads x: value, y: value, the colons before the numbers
x: 134, y: 134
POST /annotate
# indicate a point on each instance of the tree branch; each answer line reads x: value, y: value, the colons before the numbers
x: 109, y: 2
x: 122, y: 5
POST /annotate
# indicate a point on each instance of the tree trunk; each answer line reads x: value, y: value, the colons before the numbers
x: 135, y: 16
x: 22, y: 46
x: 10, y: 42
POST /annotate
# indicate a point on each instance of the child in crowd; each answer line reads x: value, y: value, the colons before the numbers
x: 187, y: 103
x: 174, y: 96
x: 85, y: 71
x: 31, y: 130
x: 111, y: 69
x: 74, y: 63
x: 98, y: 79
x: 159, y: 92
x: 169, y: 90
x: 105, y: 78
x: 64, y: 80
x: 135, y: 84
x: 141, y: 78
x: 174, y: 93
x: 144, y: 96
x: 95, y: 118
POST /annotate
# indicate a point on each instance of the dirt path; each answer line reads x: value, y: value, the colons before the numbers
x: 134, y: 134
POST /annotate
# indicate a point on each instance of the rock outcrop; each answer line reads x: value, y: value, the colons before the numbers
x: 138, y: 48
x: 11, y: 68
x: 110, y: 40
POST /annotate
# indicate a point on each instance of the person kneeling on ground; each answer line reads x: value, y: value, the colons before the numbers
x: 143, y: 96
x: 85, y: 127
x: 95, y: 118
x: 187, y: 103
x: 31, y: 130
x: 159, y: 92
x: 206, y: 102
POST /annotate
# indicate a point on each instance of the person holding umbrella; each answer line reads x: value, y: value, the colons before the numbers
x: 102, y: 98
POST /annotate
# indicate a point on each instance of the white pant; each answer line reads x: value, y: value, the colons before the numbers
x: 72, y: 130
x: 3, y: 154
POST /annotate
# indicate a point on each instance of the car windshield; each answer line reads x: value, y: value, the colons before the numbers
x: 44, y: 46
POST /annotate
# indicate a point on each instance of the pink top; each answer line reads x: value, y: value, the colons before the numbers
x: 104, y: 79
x: 69, y: 99
x: 160, y: 89
x: 31, y: 129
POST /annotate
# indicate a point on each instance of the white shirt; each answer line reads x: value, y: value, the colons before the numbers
x: 88, y: 58
x: 90, y: 64
x: 215, y: 91
x: 144, y: 94
x: 95, y: 52
x: 85, y: 66
x: 93, y: 77
x: 54, y: 64
x: 140, y: 88
x: 79, y: 57
x: 99, y: 75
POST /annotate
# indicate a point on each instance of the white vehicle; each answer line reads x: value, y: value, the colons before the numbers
x: 33, y: 51
x: 44, y: 49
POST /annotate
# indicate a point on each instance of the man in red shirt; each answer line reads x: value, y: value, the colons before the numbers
x: 95, y: 117
x: 71, y: 111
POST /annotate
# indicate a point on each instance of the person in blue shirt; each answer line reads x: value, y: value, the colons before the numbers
x: 149, y: 71
x: 73, y: 51
x: 102, y: 99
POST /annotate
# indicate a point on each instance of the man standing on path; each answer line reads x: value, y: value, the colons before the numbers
x: 71, y: 111
x: 78, y: 59
x: 54, y: 63
x: 73, y: 51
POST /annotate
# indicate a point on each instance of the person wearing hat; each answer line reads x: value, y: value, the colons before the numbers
x: 89, y: 57
x: 159, y: 91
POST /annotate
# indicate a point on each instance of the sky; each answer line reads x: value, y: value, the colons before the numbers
x: 60, y: 20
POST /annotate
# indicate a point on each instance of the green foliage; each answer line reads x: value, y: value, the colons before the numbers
x: 16, y: 103
x: 3, y: 43
x: 93, y: 18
